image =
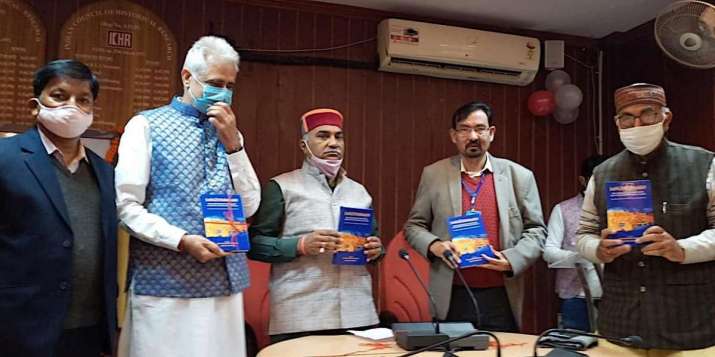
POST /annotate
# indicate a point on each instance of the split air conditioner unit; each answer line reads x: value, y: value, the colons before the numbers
x: 458, y: 53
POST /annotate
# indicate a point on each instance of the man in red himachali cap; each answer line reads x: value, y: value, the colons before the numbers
x: 661, y: 288
x: 295, y: 229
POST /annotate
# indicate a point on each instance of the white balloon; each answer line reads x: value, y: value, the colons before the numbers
x: 568, y: 96
x: 566, y: 116
x: 556, y: 79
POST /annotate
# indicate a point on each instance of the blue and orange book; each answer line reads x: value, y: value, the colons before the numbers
x: 355, y: 225
x: 224, y: 222
x: 629, y: 209
x: 470, y: 236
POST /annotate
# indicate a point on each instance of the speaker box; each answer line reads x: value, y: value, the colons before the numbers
x: 415, y: 335
x: 554, y: 54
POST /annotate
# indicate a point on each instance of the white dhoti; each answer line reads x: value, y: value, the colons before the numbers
x: 178, y: 327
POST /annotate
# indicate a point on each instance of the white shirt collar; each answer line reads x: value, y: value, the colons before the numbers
x: 52, y: 149
x: 487, y: 168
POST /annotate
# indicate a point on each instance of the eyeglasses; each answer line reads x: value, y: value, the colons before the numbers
x: 466, y: 131
x: 648, y: 116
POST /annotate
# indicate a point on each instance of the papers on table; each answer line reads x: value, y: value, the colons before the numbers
x: 375, y: 334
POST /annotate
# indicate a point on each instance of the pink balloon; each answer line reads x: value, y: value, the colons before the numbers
x: 541, y: 103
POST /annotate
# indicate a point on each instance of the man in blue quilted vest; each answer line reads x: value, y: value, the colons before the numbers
x: 185, y: 292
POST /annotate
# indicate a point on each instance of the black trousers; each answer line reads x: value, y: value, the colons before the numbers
x: 81, y: 342
x: 495, y: 311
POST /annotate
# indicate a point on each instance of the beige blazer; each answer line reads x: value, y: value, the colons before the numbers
x: 522, y: 231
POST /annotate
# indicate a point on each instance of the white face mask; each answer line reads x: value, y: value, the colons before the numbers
x: 642, y: 140
x: 329, y: 168
x: 67, y: 121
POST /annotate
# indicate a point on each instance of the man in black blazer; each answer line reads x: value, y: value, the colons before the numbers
x: 58, y: 226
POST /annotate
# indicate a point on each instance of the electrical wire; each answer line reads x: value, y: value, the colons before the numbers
x: 352, y: 44
x: 591, y: 70
x: 579, y: 61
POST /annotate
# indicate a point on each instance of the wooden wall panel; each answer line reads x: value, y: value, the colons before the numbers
x: 633, y: 57
x: 396, y: 124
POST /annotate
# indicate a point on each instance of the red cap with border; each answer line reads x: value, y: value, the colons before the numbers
x: 318, y: 117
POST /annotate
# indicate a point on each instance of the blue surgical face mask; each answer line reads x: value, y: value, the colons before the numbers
x: 211, y: 95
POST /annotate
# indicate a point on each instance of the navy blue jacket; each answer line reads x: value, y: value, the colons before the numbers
x: 36, y: 248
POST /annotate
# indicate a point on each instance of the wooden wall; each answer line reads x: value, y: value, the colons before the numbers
x: 396, y: 124
x: 634, y: 56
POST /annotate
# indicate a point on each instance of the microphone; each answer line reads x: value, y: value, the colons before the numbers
x: 628, y: 341
x: 448, y: 254
x: 406, y: 257
x: 415, y: 335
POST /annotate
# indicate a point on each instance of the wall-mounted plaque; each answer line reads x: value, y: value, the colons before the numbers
x: 131, y: 51
x: 22, y: 51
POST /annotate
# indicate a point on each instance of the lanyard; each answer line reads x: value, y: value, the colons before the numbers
x: 475, y: 193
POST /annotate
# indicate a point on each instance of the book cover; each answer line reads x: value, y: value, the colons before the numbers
x: 355, y: 225
x: 470, y: 237
x: 224, y: 222
x: 629, y: 209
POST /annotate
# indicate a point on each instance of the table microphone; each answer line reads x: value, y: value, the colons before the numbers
x: 411, y: 336
x: 628, y: 341
x: 450, y: 256
x: 406, y: 257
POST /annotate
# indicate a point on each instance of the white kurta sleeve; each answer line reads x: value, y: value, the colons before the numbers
x: 132, y: 177
x: 588, y: 236
x: 245, y: 180
x: 553, y: 253
x: 701, y: 248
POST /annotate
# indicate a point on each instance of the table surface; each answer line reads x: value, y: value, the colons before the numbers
x: 513, y: 344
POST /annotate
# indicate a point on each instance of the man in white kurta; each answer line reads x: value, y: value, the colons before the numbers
x: 295, y: 230
x: 185, y: 293
x: 560, y: 253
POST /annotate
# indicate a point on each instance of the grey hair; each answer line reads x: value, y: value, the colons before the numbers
x: 209, y: 50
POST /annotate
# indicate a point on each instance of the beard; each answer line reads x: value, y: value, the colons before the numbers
x: 473, y: 150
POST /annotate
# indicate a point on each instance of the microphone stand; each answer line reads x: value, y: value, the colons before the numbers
x: 590, y: 308
x: 438, y: 338
x: 448, y: 254
x: 406, y: 257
